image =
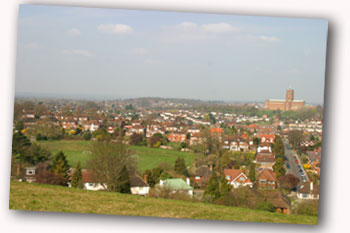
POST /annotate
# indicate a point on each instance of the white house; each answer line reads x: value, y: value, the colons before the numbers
x: 237, y: 178
x: 139, y: 186
x: 308, y: 190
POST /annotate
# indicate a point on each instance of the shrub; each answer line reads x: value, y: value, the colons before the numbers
x: 47, y: 177
x: 306, y: 207
x: 266, y: 206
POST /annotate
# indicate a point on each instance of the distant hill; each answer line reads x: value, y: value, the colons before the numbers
x: 36, y: 197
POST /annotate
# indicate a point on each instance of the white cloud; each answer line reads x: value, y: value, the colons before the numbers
x: 139, y: 51
x: 218, y: 28
x: 186, y: 26
x: 271, y: 39
x: 191, y: 32
x: 81, y: 52
x: 32, y: 45
x: 73, y: 32
x: 118, y: 29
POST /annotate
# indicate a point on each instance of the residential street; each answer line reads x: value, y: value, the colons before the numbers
x: 293, y: 166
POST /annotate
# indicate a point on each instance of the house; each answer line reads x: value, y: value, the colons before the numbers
x: 237, y: 178
x: 177, y: 185
x: 138, y: 186
x: 89, y: 182
x: 308, y: 190
x: 177, y: 137
x: 195, y: 138
x: 30, y: 173
x: 270, y: 138
x: 201, y: 176
x: 91, y: 126
x: 266, y: 179
x: 266, y: 160
x: 264, y: 147
x: 69, y: 124
x: 218, y: 132
x: 278, y: 200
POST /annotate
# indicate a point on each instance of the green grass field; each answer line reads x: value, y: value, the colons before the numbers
x: 148, y: 157
x: 37, y: 197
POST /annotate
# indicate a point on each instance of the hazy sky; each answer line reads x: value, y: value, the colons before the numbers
x: 81, y: 52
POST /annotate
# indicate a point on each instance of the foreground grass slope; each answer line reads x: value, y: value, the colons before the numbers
x: 36, y: 197
x: 148, y: 157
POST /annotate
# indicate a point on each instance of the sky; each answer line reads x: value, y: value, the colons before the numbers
x: 115, y: 53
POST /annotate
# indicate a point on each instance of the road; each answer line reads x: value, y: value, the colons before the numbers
x: 294, y: 170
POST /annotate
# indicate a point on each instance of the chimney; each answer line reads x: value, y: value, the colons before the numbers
x: 145, y: 178
x: 188, y: 181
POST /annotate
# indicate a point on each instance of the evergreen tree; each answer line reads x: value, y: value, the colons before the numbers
x: 123, y: 181
x: 225, y: 187
x: 225, y: 160
x: 213, y: 189
x: 77, y: 179
x: 278, y: 168
x: 60, y: 166
x: 252, y: 173
x: 180, y: 166
x: 20, y: 145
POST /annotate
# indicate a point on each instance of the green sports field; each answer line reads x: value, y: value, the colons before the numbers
x: 148, y: 157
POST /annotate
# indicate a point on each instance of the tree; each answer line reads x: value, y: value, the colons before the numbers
x: 225, y: 187
x: 288, y: 181
x: 180, y: 166
x: 19, y: 125
x: 252, y: 173
x: 137, y: 139
x: 109, y: 162
x: 213, y: 190
x: 123, y: 181
x: 60, y: 166
x: 295, y: 137
x: 77, y: 179
x: 20, y: 145
x: 225, y: 160
x: 156, y: 140
x: 87, y: 135
x: 278, y: 147
x: 256, y: 141
x: 278, y: 168
x: 37, y: 154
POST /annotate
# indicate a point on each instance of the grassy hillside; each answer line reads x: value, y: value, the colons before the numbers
x: 148, y: 157
x: 36, y: 197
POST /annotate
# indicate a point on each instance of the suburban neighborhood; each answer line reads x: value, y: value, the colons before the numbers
x: 172, y: 148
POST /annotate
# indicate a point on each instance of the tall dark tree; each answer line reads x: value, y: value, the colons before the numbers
x: 123, y: 181
x: 225, y: 187
x: 213, y: 188
x: 252, y: 173
x: 60, y: 166
x: 180, y: 166
x: 77, y: 179
x: 278, y: 168
x: 38, y: 154
x: 20, y: 143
